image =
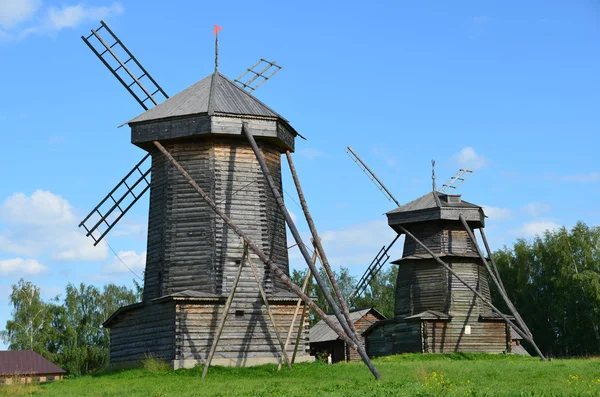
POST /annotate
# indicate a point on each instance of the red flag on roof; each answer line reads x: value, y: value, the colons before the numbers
x: 217, y: 29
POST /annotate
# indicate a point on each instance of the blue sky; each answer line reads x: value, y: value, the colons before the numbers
x: 510, y: 90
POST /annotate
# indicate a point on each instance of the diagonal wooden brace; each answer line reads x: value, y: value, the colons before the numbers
x: 336, y: 311
x: 473, y: 290
x: 263, y: 257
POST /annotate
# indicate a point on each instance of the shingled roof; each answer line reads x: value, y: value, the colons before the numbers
x: 320, y: 332
x: 26, y: 362
x: 213, y: 95
x: 428, y: 201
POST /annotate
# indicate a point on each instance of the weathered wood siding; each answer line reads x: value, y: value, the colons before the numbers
x: 421, y: 285
x: 442, y: 237
x: 393, y: 336
x: 142, y: 331
x: 361, y: 326
x: 247, y: 334
x: 189, y: 247
x: 450, y: 337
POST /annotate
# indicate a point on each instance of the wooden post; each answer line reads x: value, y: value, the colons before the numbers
x: 213, y: 348
x: 263, y: 257
x: 292, y: 226
x: 319, y: 248
x: 287, y: 340
x: 495, y: 278
x: 266, y: 302
x: 302, y: 317
x: 473, y: 290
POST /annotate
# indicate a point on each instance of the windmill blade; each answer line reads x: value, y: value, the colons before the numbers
x: 361, y: 164
x: 257, y: 78
x: 116, y: 203
x: 457, y: 180
x: 376, y: 264
x: 133, y: 75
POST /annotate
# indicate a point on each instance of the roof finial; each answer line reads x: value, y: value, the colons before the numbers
x: 433, y: 174
x: 435, y: 196
x: 216, y: 33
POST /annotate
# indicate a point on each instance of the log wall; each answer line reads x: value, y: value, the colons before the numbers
x: 189, y: 247
x: 248, y: 334
x: 142, y: 331
x: 361, y: 326
x: 393, y: 336
x: 450, y: 337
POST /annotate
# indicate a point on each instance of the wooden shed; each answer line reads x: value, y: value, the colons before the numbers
x: 193, y: 256
x: 26, y: 366
x: 324, y: 340
x: 435, y: 312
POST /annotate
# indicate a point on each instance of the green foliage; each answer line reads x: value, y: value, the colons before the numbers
x: 379, y: 294
x: 554, y: 281
x: 404, y: 375
x: 66, y: 331
x: 153, y: 364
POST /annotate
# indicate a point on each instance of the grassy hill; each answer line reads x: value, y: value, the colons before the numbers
x: 405, y: 375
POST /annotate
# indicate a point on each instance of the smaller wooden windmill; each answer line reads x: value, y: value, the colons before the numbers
x: 214, y: 155
x: 442, y: 296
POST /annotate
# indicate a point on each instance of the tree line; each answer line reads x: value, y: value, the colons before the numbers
x: 66, y: 330
x: 553, y: 280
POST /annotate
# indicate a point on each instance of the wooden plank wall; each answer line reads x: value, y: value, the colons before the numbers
x: 449, y: 337
x: 247, y: 335
x: 421, y: 285
x: 394, y: 337
x: 189, y: 247
x: 361, y: 326
x: 144, y: 330
x: 442, y: 237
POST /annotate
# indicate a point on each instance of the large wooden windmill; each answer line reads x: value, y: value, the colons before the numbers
x: 442, y: 295
x: 217, y: 262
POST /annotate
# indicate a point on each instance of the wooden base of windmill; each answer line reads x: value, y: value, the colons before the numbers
x: 435, y: 313
x: 180, y: 330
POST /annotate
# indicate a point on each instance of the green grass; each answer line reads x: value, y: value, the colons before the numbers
x: 405, y: 375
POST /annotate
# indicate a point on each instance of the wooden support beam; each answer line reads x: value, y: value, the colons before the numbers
x: 302, y: 317
x: 213, y: 348
x: 259, y: 252
x: 291, y: 329
x: 473, y: 290
x: 284, y: 355
x: 336, y: 311
x: 495, y: 279
x: 319, y: 248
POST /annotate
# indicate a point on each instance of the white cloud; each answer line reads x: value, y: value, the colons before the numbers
x: 21, y: 266
x: 535, y: 209
x: 590, y: 177
x: 49, y: 20
x: 356, y: 244
x: 468, y: 158
x: 532, y: 229
x: 129, y: 228
x: 498, y: 214
x: 132, y: 260
x: 44, y: 223
x: 310, y: 153
x: 14, y: 12
x: 72, y: 16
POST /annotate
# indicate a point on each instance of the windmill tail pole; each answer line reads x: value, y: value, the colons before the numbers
x: 306, y: 255
x: 495, y: 278
x: 263, y: 257
x: 473, y: 290
x: 319, y: 246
